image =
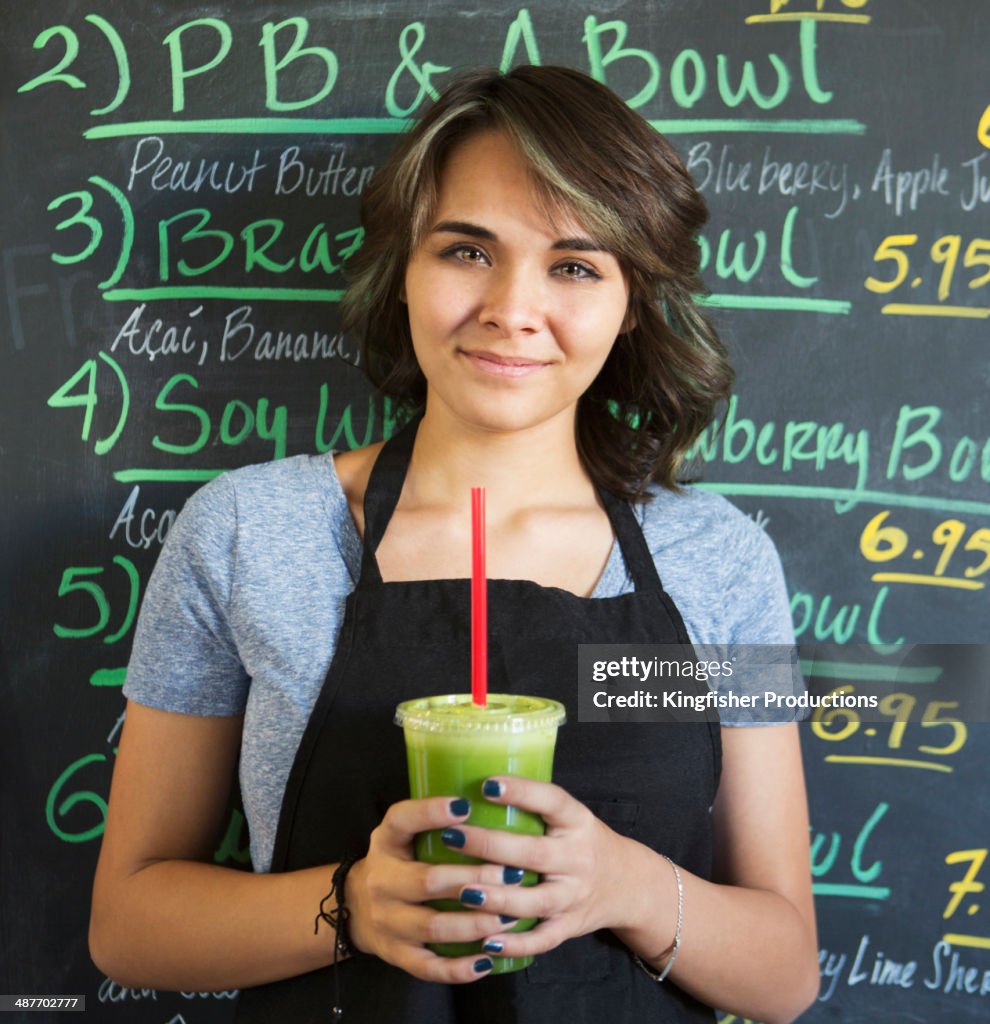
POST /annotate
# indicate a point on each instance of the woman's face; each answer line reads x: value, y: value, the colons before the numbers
x: 511, y: 315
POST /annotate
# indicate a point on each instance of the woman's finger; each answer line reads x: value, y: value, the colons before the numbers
x: 445, y: 881
x: 555, y: 805
x: 447, y: 970
x: 406, y: 818
x: 541, y: 854
x: 544, y: 900
x: 420, y: 925
x: 545, y: 936
x: 411, y: 881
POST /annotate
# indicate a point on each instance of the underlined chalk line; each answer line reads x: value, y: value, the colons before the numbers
x: 397, y: 125
x: 789, y: 126
x: 223, y: 292
x: 794, y: 303
x: 928, y: 580
x: 254, y: 126
x: 875, y: 672
x: 917, y: 309
x: 862, y: 892
x: 972, y: 941
x: 889, y: 762
x: 836, y: 18
x: 144, y: 475
x: 108, y: 677
x: 847, y: 494
x: 166, y: 476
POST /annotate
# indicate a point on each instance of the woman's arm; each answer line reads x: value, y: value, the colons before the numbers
x: 164, y: 915
x: 748, y: 941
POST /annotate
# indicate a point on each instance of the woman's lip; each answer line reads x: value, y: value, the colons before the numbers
x: 504, y: 366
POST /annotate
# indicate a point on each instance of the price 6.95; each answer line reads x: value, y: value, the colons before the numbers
x: 837, y: 724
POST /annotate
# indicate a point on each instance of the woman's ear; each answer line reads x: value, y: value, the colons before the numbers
x: 630, y: 321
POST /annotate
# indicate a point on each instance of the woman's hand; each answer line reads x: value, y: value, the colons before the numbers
x: 386, y: 890
x: 588, y: 870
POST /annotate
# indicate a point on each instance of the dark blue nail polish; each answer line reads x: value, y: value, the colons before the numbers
x: 472, y: 897
x: 482, y: 965
x: 505, y: 919
x: 453, y: 837
x: 493, y: 947
x: 460, y: 807
x: 492, y: 787
x: 512, y: 876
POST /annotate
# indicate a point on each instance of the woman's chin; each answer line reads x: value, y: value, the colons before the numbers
x: 505, y: 416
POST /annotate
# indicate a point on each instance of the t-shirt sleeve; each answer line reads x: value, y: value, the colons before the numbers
x: 755, y: 587
x: 760, y: 627
x: 185, y: 656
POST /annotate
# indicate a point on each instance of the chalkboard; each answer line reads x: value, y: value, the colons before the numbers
x: 180, y: 192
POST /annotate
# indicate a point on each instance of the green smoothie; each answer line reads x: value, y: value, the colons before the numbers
x: 452, y: 746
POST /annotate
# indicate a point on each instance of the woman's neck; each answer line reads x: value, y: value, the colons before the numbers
x: 538, y: 466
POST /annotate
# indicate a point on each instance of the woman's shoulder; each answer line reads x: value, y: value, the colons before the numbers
x: 720, y: 566
x: 296, y: 474
x: 271, y: 505
x: 352, y: 470
x: 259, y: 489
x: 697, y: 515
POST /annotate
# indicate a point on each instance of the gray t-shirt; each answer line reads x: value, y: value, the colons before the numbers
x: 243, y: 609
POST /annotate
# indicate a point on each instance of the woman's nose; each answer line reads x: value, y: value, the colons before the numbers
x: 514, y: 302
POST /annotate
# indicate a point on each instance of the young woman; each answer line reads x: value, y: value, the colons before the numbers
x: 526, y: 285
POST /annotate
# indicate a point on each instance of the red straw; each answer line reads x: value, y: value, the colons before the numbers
x: 479, y: 600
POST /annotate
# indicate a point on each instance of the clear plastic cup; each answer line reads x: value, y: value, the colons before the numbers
x: 452, y: 746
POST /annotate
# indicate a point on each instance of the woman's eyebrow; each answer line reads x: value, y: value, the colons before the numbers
x: 580, y: 244
x: 463, y: 227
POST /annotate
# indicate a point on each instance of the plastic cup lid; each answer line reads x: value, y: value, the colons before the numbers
x: 504, y: 713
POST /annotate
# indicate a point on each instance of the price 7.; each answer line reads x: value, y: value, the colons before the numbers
x: 968, y: 885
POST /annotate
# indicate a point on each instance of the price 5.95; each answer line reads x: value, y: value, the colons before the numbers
x: 944, y: 253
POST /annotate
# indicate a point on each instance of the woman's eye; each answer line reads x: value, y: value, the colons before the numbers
x: 577, y: 271
x: 466, y: 253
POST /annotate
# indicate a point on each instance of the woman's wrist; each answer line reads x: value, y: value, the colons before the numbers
x: 335, y: 912
x: 664, y: 960
x: 355, y: 933
x: 651, y: 900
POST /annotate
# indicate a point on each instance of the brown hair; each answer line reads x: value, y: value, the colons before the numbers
x: 593, y: 156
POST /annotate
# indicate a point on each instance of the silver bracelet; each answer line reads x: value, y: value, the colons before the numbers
x: 659, y: 976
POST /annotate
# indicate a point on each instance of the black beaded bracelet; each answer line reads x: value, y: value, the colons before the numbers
x: 336, y: 916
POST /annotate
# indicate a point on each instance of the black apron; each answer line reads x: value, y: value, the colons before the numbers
x: 654, y: 782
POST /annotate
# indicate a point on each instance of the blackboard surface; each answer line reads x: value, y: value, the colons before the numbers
x: 180, y: 187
